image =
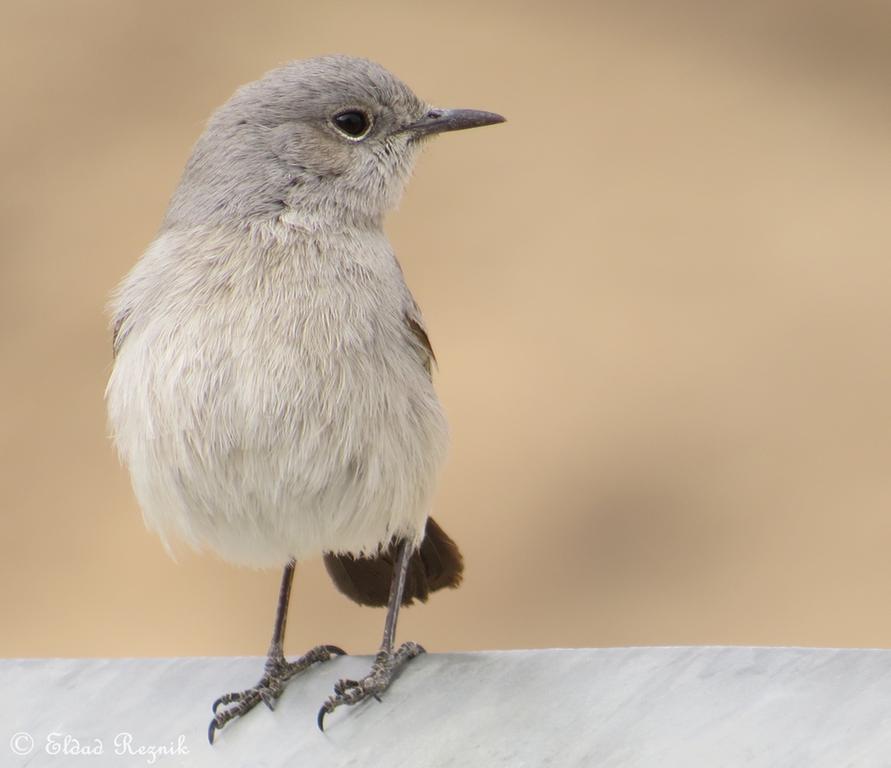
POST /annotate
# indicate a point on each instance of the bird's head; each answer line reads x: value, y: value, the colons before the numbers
x: 330, y: 140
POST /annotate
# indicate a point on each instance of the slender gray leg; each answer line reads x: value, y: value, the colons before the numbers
x: 387, y: 662
x: 276, y: 647
x: 396, y: 588
x: 277, y: 672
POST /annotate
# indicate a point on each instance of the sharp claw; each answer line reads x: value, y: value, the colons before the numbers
x: 211, y: 729
x: 320, y: 720
x: 377, y: 698
x: 336, y: 650
x: 216, y: 705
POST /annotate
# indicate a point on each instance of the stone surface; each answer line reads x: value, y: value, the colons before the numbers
x: 693, y: 706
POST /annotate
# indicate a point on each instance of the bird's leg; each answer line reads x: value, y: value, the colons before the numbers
x: 387, y: 661
x: 277, y: 672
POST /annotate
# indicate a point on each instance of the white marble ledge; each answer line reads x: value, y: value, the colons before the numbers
x: 690, y: 706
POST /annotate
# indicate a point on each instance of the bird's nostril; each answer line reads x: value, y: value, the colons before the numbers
x: 434, y: 113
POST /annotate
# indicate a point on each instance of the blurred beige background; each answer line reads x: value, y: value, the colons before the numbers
x: 659, y: 297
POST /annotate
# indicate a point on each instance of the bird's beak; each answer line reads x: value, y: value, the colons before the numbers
x: 442, y: 120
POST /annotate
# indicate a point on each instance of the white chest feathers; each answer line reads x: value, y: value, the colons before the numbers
x: 268, y: 397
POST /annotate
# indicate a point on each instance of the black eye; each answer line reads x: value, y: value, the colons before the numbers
x: 352, y: 122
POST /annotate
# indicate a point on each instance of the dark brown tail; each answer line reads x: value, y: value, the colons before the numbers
x: 366, y: 580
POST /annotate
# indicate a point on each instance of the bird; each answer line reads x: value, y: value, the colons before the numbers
x: 271, y: 393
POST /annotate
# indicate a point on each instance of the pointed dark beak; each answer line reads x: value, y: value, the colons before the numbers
x: 442, y: 120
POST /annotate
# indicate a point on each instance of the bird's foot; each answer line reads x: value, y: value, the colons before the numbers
x: 373, y: 684
x: 277, y: 673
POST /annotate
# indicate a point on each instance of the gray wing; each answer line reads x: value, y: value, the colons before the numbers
x: 420, y: 338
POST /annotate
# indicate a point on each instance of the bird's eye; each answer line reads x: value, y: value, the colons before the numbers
x: 353, y: 123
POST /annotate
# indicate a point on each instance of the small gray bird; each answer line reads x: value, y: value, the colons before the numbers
x: 271, y: 392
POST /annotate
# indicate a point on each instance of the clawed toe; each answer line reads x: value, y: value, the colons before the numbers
x: 229, y: 698
x: 226, y: 698
x: 268, y: 689
x: 351, y: 692
x: 242, y: 702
